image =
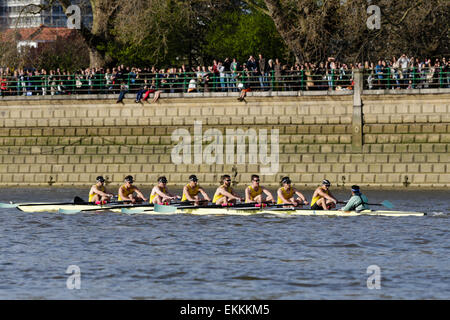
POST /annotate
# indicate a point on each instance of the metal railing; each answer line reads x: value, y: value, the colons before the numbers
x: 409, y: 78
x: 31, y: 84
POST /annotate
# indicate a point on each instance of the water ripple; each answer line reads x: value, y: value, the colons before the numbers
x: 227, y: 257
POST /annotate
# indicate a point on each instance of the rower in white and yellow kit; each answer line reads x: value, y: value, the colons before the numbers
x: 254, y: 192
x: 130, y: 193
x: 98, y: 193
x: 160, y: 193
x: 225, y: 193
x: 286, y: 194
x: 322, y: 197
x: 191, y: 191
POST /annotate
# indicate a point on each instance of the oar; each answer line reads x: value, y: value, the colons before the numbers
x: 101, y: 208
x: 385, y: 203
x: 241, y: 206
x: 76, y: 200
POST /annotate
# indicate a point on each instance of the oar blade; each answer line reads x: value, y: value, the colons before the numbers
x: 132, y: 211
x: 164, y: 209
x: 8, y: 205
x: 68, y: 211
x: 387, y: 204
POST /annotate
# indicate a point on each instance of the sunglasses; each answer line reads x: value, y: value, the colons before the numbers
x: 256, y: 180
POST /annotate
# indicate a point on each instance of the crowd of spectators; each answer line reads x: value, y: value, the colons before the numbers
x: 228, y: 75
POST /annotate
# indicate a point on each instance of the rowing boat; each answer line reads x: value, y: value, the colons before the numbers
x: 244, y: 211
x: 295, y: 212
x: 76, y: 208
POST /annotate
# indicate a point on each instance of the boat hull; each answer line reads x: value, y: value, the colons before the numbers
x: 215, y: 211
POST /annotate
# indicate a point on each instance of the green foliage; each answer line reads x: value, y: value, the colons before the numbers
x: 241, y: 34
x: 170, y: 33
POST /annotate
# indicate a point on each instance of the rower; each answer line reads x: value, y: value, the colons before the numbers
x: 130, y: 193
x: 286, y: 194
x: 225, y: 194
x: 254, y: 192
x: 357, y: 202
x: 191, y: 191
x: 98, y: 193
x: 322, y: 197
x: 160, y: 193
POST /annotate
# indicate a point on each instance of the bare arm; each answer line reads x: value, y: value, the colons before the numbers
x: 205, y: 195
x: 268, y: 194
x: 162, y: 194
x: 301, y: 196
x: 225, y: 193
x: 326, y: 196
x: 237, y: 195
x: 139, y: 193
x: 101, y: 193
x: 247, y: 195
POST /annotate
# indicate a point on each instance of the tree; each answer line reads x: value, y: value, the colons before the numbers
x: 315, y: 29
x: 241, y: 33
x: 99, y: 35
x: 167, y: 32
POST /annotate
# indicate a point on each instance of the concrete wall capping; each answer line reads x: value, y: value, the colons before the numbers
x: 183, y: 95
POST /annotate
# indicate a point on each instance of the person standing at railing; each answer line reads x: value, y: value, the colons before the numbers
x: 270, y: 69
x: 207, y: 74
x: 321, y: 77
x: 436, y: 74
x: 3, y: 85
x: 215, y: 75
x: 296, y: 77
x: 277, y: 70
x: 330, y: 70
x: 404, y: 63
x: 413, y: 66
x: 446, y: 73
x: 262, y: 72
x: 179, y: 80
x: 234, y: 67
x: 386, y: 75
x: 394, y: 72
x: 222, y: 76
x: 199, y: 76
x: 108, y: 80
x: 227, y: 72
x: 252, y: 70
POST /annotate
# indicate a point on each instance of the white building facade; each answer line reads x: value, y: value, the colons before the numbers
x: 34, y: 13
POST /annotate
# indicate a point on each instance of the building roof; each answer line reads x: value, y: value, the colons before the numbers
x: 37, y: 34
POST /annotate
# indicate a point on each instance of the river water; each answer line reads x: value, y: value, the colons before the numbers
x: 226, y: 257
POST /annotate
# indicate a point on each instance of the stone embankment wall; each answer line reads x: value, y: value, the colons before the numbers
x: 382, y: 139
